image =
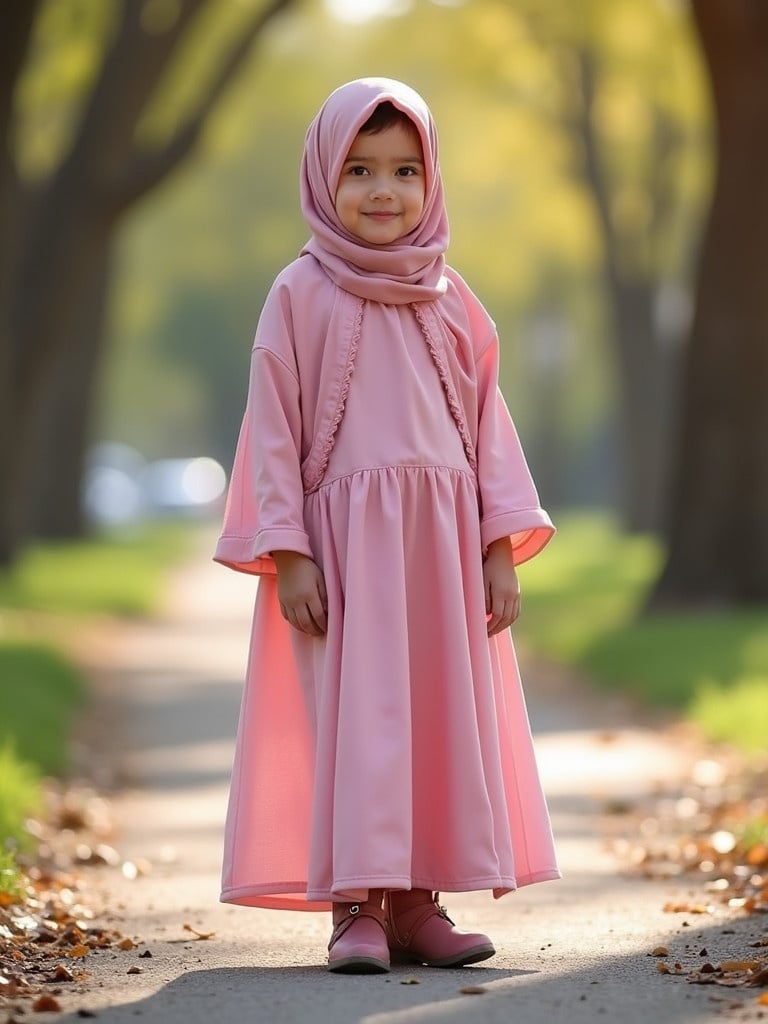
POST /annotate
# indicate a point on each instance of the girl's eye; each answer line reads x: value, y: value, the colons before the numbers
x: 358, y: 171
x: 406, y: 172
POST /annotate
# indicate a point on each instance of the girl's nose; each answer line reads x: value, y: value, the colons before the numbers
x: 381, y: 190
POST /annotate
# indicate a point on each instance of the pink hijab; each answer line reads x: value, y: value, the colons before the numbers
x: 412, y: 268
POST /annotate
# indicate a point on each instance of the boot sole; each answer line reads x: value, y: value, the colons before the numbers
x: 471, y: 956
x: 359, y: 965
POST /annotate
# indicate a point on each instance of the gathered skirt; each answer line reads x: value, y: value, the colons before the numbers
x: 394, y: 752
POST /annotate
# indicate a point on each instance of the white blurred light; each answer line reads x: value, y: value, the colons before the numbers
x: 120, y: 487
x: 112, y: 497
x: 183, y: 483
x: 203, y: 480
x: 358, y: 11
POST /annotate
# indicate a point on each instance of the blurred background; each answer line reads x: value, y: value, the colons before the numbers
x: 605, y: 167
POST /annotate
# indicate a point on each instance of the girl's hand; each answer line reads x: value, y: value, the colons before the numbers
x: 502, y: 589
x: 301, y: 592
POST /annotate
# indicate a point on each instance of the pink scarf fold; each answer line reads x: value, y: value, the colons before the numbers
x: 409, y: 270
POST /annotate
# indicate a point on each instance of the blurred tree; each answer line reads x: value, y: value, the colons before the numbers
x: 629, y: 100
x: 514, y: 208
x: 718, y: 527
x: 55, y: 249
x: 524, y: 226
x: 16, y: 22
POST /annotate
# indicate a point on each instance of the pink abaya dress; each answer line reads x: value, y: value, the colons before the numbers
x: 395, y: 752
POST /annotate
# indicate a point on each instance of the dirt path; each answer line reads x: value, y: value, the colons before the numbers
x: 574, y: 950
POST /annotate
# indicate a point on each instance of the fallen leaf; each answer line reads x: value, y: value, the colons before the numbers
x: 473, y: 990
x: 134, y: 970
x: 662, y: 968
x: 761, y: 978
x: 410, y: 981
x: 62, y: 973
x: 659, y: 951
x: 687, y: 908
x: 126, y: 943
x: 728, y: 966
x: 197, y: 934
x: 46, y: 1004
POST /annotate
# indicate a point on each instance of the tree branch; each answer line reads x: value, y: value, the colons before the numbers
x: 593, y: 170
x: 132, y: 68
x: 146, y: 169
x: 16, y: 23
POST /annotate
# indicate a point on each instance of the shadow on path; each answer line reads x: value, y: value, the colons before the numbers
x: 577, y: 985
x: 574, y: 951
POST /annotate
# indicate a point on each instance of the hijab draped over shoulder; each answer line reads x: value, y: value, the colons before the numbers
x: 410, y: 269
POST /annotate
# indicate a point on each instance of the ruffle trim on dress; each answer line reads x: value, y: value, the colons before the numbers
x: 317, y: 461
x: 434, y: 344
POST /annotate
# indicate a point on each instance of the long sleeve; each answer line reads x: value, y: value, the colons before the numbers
x: 509, y: 502
x: 264, y: 510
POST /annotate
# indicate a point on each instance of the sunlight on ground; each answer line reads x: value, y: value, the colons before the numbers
x: 621, y: 763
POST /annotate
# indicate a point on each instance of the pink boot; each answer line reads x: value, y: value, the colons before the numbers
x: 359, y: 943
x: 419, y: 931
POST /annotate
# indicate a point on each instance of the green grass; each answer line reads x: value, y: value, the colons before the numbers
x: 737, y: 711
x: 581, y: 604
x: 11, y: 879
x: 19, y: 796
x: 119, y: 575
x: 53, y: 591
x: 42, y: 693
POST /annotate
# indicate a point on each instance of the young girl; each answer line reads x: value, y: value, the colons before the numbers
x: 379, y: 490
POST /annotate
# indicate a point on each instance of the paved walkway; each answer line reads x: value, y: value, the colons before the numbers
x: 574, y: 951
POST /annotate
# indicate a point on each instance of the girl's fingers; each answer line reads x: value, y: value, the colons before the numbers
x: 494, y: 623
x: 319, y: 608
x: 320, y: 619
x: 317, y: 616
x: 504, y: 616
x: 310, y: 618
x: 299, y: 618
x: 313, y: 620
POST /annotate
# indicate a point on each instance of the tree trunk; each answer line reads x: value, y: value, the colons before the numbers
x: 718, y: 533
x: 56, y: 506
x: 42, y: 373
x: 646, y: 388
x: 645, y: 368
x: 64, y: 234
x: 16, y: 21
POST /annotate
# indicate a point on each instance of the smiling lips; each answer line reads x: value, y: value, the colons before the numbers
x: 382, y: 215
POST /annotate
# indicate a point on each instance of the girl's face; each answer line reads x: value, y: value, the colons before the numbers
x: 380, y: 195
